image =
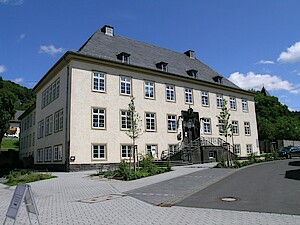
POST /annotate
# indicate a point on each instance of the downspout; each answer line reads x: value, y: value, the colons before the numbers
x: 67, y: 143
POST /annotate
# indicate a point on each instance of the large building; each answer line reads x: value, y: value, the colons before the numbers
x: 81, y: 110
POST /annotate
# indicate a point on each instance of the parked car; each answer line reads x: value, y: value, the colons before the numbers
x: 289, y: 152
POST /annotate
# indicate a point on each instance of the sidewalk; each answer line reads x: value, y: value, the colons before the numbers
x: 75, y: 198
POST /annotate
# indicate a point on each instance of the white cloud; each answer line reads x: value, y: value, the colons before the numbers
x: 12, y: 2
x: 2, y: 68
x: 50, y: 49
x: 292, y: 54
x: 18, y: 80
x: 257, y: 81
x: 265, y: 62
x: 21, y: 37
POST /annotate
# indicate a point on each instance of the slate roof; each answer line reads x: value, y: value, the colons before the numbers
x: 147, y: 56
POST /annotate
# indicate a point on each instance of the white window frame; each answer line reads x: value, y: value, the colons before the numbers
x: 150, y: 120
x: 126, y: 151
x: 221, y: 126
x: 205, y: 98
x: 249, y: 148
x: 150, y: 147
x: 57, y: 153
x: 172, y: 123
x: 98, y: 117
x: 40, y: 155
x: 247, y: 128
x: 232, y: 103
x: 206, y: 125
x: 235, y: 127
x: 188, y: 93
x: 170, y: 93
x: 101, y: 150
x: 125, y: 86
x: 41, y: 129
x: 149, y: 89
x: 125, y: 120
x: 237, y: 149
x: 48, y: 154
x: 99, y: 82
x: 219, y: 101
x: 245, y: 105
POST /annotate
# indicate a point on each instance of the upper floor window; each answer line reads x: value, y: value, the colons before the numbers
x: 188, y: 96
x: 163, y: 66
x: 232, y: 101
x: 98, y: 82
x: 150, y: 121
x: 219, y: 101
x: 244, y: 105
x: 124, y: 57
x: 99, y: 151
x: 170, y: 92
x: 58, y: 120
x: 149, y: 89
x: 221, y: 126
x: 206, y: 126
x: 51, y: 93
x: 125, y: 120
x: 235, y: 127
x: 172, y: 123
x: 48, y: 125
x: 205, y: 98
x: 98, y: 118
x: 40, y: 129
x: 247, y: 128
x: 125, y: 85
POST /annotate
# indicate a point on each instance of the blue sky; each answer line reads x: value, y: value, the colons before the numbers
x: 251, y: 42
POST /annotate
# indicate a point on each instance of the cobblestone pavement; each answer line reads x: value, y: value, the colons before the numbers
x: 75, y: 198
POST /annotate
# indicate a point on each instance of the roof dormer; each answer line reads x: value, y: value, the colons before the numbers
x: 218, y: 79
x: 192, y: 73
x: 190, y: 53
x: 108, y: 30
x: 123, y: 57
x: 163, y: 66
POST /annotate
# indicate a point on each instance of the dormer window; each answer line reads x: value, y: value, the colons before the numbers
x: 190, y: 53
x: 163, y: 66
x: 108, y: 30
x: 218, y: 79
x: 124, y: 57
x: 192, y: 73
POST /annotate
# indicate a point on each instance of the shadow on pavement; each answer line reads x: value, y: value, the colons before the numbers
x: 293, y: 174
x: 294, y: 163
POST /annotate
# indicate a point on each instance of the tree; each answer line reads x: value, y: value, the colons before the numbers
x: 225, y: 126
x: 135, y: 130
x: 7, y: 111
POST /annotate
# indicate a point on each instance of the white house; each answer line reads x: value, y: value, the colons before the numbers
x: 81, y: 110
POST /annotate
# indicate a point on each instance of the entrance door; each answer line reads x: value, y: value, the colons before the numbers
x: 190, y: 125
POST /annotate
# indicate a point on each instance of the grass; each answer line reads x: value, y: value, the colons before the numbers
x: 9, y: 144
x: 16, y: 177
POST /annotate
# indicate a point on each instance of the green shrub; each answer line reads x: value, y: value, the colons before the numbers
x: 22, y: 176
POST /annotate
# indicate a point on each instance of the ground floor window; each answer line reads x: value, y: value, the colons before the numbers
x: 48, y: 154
x: 237, y: 149
x: 152, y: 150
x: 126, y: 151
x: 249, y: 149
x: 39, y: 156
x: 57, y: 153
x: 99, y: 151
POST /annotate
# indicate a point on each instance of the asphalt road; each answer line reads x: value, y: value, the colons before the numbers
x: 272, y: 187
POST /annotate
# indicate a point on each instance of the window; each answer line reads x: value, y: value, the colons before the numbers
x: 99, y: 151
x: 48, y: 154
x: 163, y: 66
x: 48, y: 125
x: 219, y: 101
x: 188, y: 96
x: 58, y: 121
x: 247, y: 128
x: 57, y: 153
x: 124, y: 57
x: 235, y: 127
x: 125, y: 120
x: 232, y: 101
x: 170, y: 93
x: 152, y: 150
x: 206, y: 126
x: 149, y: 89
x: 33, y: 138
x: 221, y: 126
x: 98, y: 82
x: 150, y: 122
x: 249, y: 148
x: 126, y: 151
x: 98, y: 117
x: 57, y: 88
x: 192, y: 73
x: 244, y: 105
x: 237, y: 149
x: 205, y: 98
x: 39, y: 157
x: 50, y: 94
x: 125, y: 86
x: 172, y: 123
x: 41, y: 129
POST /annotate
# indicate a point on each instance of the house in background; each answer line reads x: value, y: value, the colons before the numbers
x: 14, y: 126
x: 81, y: 111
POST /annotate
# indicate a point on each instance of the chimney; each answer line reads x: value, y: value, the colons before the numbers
x: 190, y: 53
x: 108, y: 30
